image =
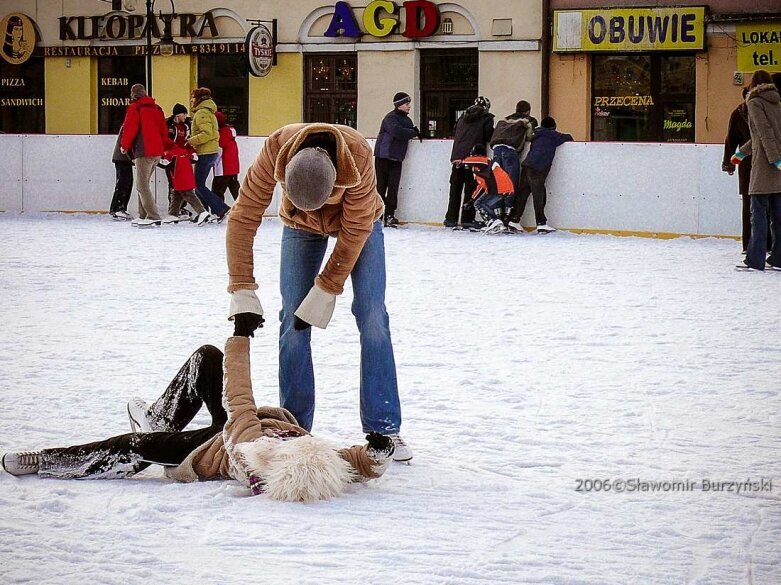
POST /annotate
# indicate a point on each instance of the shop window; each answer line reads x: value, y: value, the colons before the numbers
x: 643, y: 98
x: 331, y: 88
x: 22, y: 105
x: 116, y: 75
x: 448, y: 86
x: 227, y: 76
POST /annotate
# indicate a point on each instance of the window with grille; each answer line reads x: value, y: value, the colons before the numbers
x: 331, y: 88
x: 448, y: 86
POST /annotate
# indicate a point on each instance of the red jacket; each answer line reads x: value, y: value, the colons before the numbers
x: 144, y: 131
x: 228, y: 164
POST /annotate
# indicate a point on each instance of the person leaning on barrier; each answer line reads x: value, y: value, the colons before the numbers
x: 328, y: 190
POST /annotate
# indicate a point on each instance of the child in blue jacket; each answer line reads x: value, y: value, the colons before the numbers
x: 535, y: 168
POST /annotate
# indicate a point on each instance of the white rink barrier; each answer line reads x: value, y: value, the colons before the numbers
x: 631, y: 188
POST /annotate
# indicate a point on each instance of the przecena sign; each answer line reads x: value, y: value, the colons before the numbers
x: 629, y: 29
x: 382, y: 18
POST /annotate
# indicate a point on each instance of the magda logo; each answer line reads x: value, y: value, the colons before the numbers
x: 18, y: 38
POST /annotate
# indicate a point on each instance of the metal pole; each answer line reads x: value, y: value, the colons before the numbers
x: 149, y: 17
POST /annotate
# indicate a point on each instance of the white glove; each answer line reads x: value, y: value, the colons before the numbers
x: 317, y: 308
x: 244, y: 300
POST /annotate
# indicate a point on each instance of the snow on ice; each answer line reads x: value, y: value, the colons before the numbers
x: 529, y: 366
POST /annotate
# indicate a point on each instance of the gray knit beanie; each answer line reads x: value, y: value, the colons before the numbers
x: 309, y: 178
x: 137, y: 91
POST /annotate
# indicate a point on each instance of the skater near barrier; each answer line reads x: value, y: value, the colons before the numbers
x: 123, y: 187
x: 264, y: 449
x: 474, y: 127
x: 493, y: 188
x: 328, y: 190
x: 764, y: 121
x: 536, y: 167
x: 205, y: 139
x: 179, y: 130
x: 390, y: 149
x: 144, y: 137
x: 226, y: 168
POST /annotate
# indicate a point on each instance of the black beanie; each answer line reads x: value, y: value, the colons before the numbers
x: 179, y: 109
x: 400, y: 99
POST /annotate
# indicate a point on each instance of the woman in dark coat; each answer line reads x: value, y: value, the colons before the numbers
x: 764, y: 120
x: 737, y: 134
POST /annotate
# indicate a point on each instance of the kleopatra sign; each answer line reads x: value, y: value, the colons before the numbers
x: 18, y: 42
x: 629, y: 29
x: 759, y: 46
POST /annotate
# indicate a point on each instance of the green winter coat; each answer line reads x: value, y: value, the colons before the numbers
x: 205, y: 137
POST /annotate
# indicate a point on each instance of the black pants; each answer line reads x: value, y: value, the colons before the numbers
x: 462, y: 185
x: 198, y: 382
x: 388, y: 178
x: 532, y: 182
x: 223, y: 182
x: 123, y: 187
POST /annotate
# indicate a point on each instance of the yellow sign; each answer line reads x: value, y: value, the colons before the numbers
x: 629, y: 29
x: 759, y: 46
x: 18, y: 40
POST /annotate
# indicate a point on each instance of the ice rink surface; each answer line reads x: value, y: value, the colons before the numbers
x: 529, y: 366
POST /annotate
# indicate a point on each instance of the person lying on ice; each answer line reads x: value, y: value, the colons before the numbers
x: 262, y: 448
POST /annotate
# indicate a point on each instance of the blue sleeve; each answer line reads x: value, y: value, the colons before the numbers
x: 398, y: 130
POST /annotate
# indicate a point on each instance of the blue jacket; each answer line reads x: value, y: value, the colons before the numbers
x: 396, y: 131
x: 543, y: 148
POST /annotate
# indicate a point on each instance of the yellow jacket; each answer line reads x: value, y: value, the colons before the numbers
x: 205, y: 136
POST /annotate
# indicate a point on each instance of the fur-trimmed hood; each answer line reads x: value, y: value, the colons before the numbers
x: 305, y: 469
x: 765, y: 91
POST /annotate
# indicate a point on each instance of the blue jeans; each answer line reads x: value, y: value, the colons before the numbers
x: 302, y: 256
x: 508, y: 159
x: 488, y: 204
x: 757, y: 244
x: 203, y: 166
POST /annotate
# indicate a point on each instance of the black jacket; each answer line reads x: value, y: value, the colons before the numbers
x: 396, y: 131
x: 475, y: 126
x: 737, y: 134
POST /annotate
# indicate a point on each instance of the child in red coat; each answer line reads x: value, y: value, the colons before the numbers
x: 226, y: 169
x: 183, y: 184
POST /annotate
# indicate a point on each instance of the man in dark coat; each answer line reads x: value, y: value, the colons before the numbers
x: 390, y: 149
x: 737, y: 134
x: 475, y: 126
x: 536, y: 167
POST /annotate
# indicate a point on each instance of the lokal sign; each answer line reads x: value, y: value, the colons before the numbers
x: 759, y: 46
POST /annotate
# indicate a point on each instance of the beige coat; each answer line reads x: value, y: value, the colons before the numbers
x: 348, y: 214
x: 223, y: 456
x: 764, y: 122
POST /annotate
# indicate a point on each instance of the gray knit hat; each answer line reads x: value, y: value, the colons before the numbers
x: 309, y: 178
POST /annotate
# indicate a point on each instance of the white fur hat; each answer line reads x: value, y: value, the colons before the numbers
x: 301, y: 469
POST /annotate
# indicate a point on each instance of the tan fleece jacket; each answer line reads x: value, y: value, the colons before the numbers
x: 219, y: 457
x: 348, y: 214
